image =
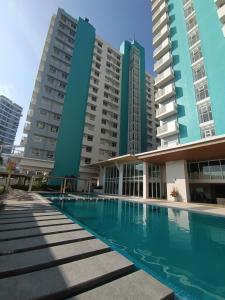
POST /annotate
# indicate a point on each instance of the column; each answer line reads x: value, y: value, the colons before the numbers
x: 177, y: 179
x: 120, y: 189
x: 145, y: 180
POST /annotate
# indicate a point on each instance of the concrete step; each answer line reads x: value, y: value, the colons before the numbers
x: 63, y: 280
x: 34, y: 224
x: 42, y: 241
x: 136, y: 286
x: 26, y: 211
x: 19, y: 216
x: 31, y: 219
x: 43, y: 258
x: 38, y: 231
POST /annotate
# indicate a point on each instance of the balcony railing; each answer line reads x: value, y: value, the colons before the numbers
x: 168, y: 129
x: 161, y: 35
x: 156, y: 4
x: 219, y: 3
x: 164, y: 77
x: 165, y: 93
x: 160, y: 23
x: 166, y: 110
x: 163, y: 62
x: 159, y: 12
x: 162, y: 49
x: 221, y: 13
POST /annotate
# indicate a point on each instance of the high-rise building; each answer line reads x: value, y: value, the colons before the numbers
x: 189, y: 42
x: 82, y: 100
x: 10, y: 114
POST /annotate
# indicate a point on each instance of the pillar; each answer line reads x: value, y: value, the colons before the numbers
x: 145, y: 180
x: 31, y: 183
x: 177, y: 178
x: 120, y: 189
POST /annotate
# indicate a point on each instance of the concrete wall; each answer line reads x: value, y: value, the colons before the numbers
x: 177, y: 178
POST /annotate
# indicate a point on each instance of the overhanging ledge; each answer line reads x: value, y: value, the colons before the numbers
x: 207, y: 149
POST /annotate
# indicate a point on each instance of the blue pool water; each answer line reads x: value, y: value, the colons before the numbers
x: 184, y: 250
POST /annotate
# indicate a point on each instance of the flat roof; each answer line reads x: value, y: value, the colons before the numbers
x: 207, y: 149
x: 124, y: 158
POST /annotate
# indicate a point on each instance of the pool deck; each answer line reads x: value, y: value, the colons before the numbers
x: 45, y: 255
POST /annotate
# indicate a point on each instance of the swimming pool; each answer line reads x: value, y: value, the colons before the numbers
x: 184, y: 250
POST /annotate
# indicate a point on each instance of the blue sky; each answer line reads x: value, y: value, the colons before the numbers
x: 23, y: 29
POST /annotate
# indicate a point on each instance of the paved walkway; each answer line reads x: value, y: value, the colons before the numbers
x: 44, y: 255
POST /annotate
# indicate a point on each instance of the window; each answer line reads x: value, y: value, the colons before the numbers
x: 97, y: 65
x: 196, y: 54
x: 64, y: 75
x: 40, y: 125
x: 114, y: 125
x: 88, y: 149
x: 36, y: 152
x: 104, y: 112
x: 188, y: 9
x: 48, y: 90
x: 87, y: 160
x: 96, y: 73
x: 114, y: 134
x: 94, y: 89
x: 61, y: 95
x: 201, y: 90
x: 50, y: 154
x: 191, y: 23
x: 113, y: 144
x: 205, y: 112
x: 56, y: 116
x: 103, y: 130
x: 93, y: 107
x: 54, y: 129
x: 193, y: 37
x: 100, y: 44
x: 52, y: 69
x: 198, y: 71
x: 207, y: 131
x: 90, y: 138
x: 62, y: 84
x: 103, y: 121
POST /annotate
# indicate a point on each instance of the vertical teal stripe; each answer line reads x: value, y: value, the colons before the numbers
x: 125, y: 50
x: 68, y: 148
x: 185, y: 95
x: 213, y: 49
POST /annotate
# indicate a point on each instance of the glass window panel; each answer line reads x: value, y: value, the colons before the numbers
x: 193, y: 170
x: 215, y: 169
x: 204, y: 171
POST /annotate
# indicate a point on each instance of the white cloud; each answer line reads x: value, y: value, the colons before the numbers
x: 7, y: 90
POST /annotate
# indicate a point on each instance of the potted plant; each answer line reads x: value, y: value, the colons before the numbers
x: 174, y: 194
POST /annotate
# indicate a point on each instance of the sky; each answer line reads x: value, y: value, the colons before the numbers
x: 23, y: 29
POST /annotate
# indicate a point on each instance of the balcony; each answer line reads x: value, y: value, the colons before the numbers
x: 164, y: 77
x: 160, y: 23
x: 166, y: 110
x: 163, y: 63
x: 162, y: 49
x: 156, y: 4
x: 165, y: 93
x: 161, y: 36
x: 219, y: 3
x: 159, y: 12
x: 26, y: 128
x: 168, y: 129
x: 221, y: 13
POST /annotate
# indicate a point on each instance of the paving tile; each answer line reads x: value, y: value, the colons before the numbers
x: 37, y: 259
x: 31, y: 219
x: 26, y: 233
x: 19, y: 226
x: 136, y: 286
x: 42, y: 241
x: 28, y: 215
x: 58, y: 280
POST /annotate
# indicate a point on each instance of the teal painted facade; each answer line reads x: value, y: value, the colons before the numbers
x: 187, y: 116
x: 213, y: 49
x: 125, y: 49
x: 68, y: 148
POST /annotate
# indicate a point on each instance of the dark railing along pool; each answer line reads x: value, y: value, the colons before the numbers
x: 184, y: 250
